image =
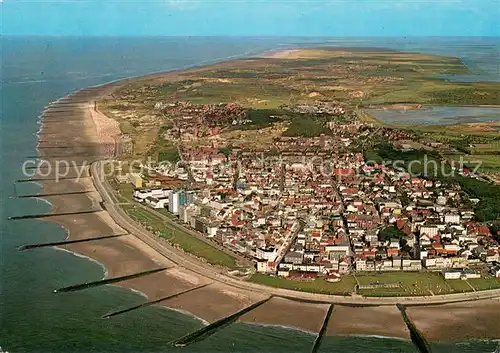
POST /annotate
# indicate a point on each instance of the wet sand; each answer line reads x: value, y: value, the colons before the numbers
x: 377, y: 320
x: 68, y: 173
x: 75, y: 203
x: 65, y: 186
x: 166, y: 285
x: 85, y: 226
x: 458, y: 321
x: 284, y: 312
x: 213, y: 302
x: 119, y: 256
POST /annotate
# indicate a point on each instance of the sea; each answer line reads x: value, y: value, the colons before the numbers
x: 38, y: 70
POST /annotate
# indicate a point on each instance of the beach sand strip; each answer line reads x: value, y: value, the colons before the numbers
x: 375, y: 320
x: 285, y: 312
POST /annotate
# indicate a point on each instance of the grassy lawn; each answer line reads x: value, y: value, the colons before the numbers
x: 143, y: 216
x: 185, y: 241
x: 411, y: 284
x: 459, y: 286
x: 344, y: 287
x: 485, y: 283
x: 199, y: 248
x: 487, y: 148
x: 126, y: 192
x: 487, y: 162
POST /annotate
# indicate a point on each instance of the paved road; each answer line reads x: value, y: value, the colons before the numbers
x: 186, y: 261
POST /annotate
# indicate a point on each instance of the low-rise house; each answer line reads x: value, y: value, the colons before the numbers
x: 468, y: 273
x: 157, y: 202
x: 452, y: 218
x: 344, y: 266
x: 490, y: 256
x: 360, y: 265
x: 495, y: 271
x: 436, y: 263
x: 429, y: 230
x: 266, y: 254
x: 294, y: 257
x: 452, y: 274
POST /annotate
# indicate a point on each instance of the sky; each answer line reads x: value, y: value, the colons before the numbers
x: 338, y: 18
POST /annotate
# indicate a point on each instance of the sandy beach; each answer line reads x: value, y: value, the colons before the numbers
x: 87, y: 226
x: 213, y: 302
x: 458, y: 321
x: 282, y: 54
x: 285, y: 312
x: 376, y: 320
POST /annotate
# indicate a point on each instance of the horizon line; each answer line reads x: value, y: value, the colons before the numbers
x: 241, y: 36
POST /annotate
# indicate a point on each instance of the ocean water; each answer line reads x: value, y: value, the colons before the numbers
x: 36, y: 71
x: 437, y: 115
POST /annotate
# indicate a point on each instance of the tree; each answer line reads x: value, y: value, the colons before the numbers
x: 390, y: 233
x: 225, y: 151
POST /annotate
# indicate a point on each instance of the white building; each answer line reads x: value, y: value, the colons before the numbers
x: 143, y: 194
x: 157, y: 202
x: 344, y: 248
x: 269, y: 254
x: 266, y: 267
x: 452, y: 274
x: 495, y: 271
x: 212, y: 230
x: 452, y: 218
x: 173, y: 203
x: 431, y: 231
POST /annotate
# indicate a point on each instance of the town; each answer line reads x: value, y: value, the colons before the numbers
x: 309, y: 207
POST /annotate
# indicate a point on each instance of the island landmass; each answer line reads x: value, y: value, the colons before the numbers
x: 234, y: 206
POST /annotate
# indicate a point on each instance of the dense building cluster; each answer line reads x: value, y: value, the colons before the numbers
x: 310, y: 207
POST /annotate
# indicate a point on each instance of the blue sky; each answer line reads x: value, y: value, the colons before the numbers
x: 251, y: 18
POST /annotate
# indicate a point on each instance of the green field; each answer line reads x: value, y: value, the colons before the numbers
x: 485, y: 283
x: 411, y: 284
x: 199, y: 248
x: 155, y: 223
x: 421, y: 284
x: 344, y: 287
x: 459, y: 286
x: 486, y: 163
x: 125, y: 192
